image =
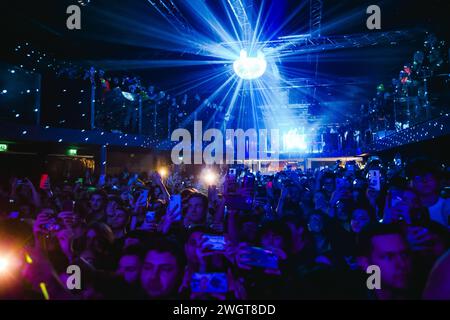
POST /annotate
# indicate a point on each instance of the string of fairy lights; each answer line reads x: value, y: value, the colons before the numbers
x: 35, y: 61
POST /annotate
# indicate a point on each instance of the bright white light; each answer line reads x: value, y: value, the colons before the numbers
x: 4, y: 264
x: 209, y: 177
x: 249, y: 68
x: 293, y: 140
x: 128, y: 96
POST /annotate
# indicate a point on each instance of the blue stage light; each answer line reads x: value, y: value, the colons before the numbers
x: 292, y: 141
x: 249, y: 68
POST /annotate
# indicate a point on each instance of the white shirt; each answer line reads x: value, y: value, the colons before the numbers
x: 440, y: 211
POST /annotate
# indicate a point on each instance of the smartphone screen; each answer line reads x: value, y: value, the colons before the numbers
x: 215, y: 282
x: 214, y: 243
x: 262, y: 258
x: 374, y: 179
x: 175, y: 201
x: 44, y: 181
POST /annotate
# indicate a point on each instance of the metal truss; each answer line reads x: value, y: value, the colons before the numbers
x: 241, y: 9
x: 315, y: 17
x: 172, y: 14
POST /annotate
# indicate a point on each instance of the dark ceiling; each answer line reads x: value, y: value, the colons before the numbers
x: 105, y: 36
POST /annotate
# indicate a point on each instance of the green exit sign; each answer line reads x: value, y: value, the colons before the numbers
x: 72, y: 152
x: 3, y: 147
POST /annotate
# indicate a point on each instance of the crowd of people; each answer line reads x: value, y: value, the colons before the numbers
x: 293, y: 234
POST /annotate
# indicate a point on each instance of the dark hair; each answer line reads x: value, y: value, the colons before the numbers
x: 134, y: 250
x: 327, y: 175
x: 422, y: 166
x: 162, y: 245
x: 279, y: 228
x: 203, y: 197
x: 364, y: 205
x: 377, y: 229
x: 101, y: 193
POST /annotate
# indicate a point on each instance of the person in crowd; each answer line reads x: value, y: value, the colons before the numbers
x: 97, y: 206
x: 130, y: 265
x: 304, y: 234
x: 385, y: 246
x: 162, y: 270
x: 425, y: 180
x: 196, y: 210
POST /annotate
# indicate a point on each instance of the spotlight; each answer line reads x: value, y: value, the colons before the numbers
x: 162, y: 172
x: 4, y: 264
x: 209, y: 177
x: 294, y: 141
x: 249, y: 68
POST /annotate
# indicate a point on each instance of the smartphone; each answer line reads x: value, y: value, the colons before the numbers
x: 44, y: 181
x: 215, y: 282
x: 53, y: 225
x: 175, y: 200
x: 374, y: 179
x: 14, y: 215
x: 215, y: 243
x: 261, y: 258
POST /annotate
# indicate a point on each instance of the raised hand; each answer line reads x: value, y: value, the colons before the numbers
x: 169, y: 218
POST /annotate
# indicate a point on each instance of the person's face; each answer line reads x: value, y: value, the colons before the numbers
x: 272, y: 240
x: 425, y: 184
x: 118, y: 219
x: 129, y: 268
x: 96, y: 202
x: 328, y: 185
x: 111, y: 208
x: 360, y: 220
x: 192, y: 245
x: 160, y: 274
x: 196, y: 212
x: 390, y: 253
